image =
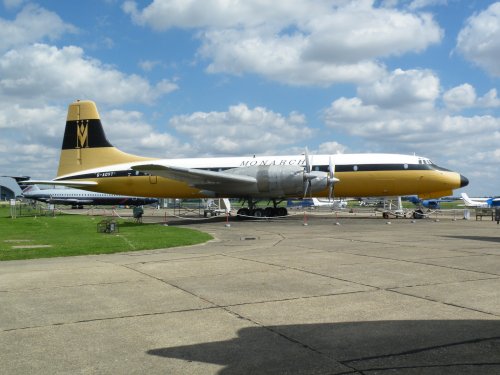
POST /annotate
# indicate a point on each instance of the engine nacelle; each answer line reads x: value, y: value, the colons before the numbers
x: 280, y: 180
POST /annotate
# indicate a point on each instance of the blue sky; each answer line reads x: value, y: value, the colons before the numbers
x: 221, y: 78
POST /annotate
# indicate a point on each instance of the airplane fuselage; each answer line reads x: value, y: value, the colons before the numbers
x: 359, y: 175
x: 77, y: 197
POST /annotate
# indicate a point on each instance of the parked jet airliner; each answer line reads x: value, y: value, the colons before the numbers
x: 88, y: 160
x: 78, y: 198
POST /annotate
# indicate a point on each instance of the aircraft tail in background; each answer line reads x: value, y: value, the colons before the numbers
x: 474, y: 203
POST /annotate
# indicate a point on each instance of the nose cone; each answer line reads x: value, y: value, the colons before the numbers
x: 464, y: 181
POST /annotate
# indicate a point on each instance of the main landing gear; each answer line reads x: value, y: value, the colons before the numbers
x: 253, y: 211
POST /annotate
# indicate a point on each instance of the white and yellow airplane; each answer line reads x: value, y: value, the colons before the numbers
x: 89, y: 161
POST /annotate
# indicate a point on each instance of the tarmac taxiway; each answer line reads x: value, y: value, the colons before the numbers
x: 265, y: 297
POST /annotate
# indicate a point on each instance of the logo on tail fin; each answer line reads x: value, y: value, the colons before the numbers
x: 82, y: 134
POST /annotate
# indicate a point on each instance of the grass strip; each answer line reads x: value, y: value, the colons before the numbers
x: 70, y: 235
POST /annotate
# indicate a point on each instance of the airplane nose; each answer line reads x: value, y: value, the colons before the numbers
x: 464, y: 181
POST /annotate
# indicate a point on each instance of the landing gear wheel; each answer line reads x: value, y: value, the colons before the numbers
x: 418, y: 214
x: 258, y: 212
x: 269, y: 212
x: 281, y: 211
x: 243, y: 213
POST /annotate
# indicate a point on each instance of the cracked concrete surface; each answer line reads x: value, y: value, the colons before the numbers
x: 362, y: 297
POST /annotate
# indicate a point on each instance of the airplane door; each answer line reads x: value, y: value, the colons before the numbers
x: 153, y: 179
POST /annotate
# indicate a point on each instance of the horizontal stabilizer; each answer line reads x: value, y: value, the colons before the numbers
x: 194, y: 177
x: 73, y: 183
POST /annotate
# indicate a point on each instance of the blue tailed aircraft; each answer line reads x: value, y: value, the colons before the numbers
x: 431, y: 204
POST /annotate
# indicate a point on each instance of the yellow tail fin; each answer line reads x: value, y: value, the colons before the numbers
x: 85, y: 145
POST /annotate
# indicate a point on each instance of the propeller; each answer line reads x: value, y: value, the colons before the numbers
x: 308, y: 176
x: 331, y: 180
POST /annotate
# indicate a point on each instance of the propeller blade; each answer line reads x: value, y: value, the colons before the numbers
x: 307, y: 181
x: 308, y: 164
x: 331, y: 178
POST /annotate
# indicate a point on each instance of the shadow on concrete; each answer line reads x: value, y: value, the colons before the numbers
x: 413, y: 346
x: 477, y: 238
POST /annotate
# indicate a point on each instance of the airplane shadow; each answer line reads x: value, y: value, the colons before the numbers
x: 412, y: 346
x: 476, y: 238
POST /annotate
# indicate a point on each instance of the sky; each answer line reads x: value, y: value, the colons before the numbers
x: 185, y: 78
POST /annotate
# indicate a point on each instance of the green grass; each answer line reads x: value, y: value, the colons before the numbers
x: 70, y: 235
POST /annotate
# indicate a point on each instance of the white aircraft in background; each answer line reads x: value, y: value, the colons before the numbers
x: 88, y: 160
x: 334, y: 203
x: 480, y: 202
x: 77, y: 198
x: 315, y: 202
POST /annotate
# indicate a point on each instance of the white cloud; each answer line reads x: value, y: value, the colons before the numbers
x: 44, y: 72
x: 410, y: 89
x: 464, y: 96
x: 241, y: 130
x: 32, y: 24
x: 402, y: 106
x: 418, y: 4
x: 489, y: 100
x: 302, y: 43
x: 357, y: 33
x: 479, y: 40
x: 162, y: 15
x: 399, y: 104
x: 278, y: 58
x: 331, y: 148
x: 459, y: 97
x: 148, y: 65
x: 382, y: 125
x: 31, y: 159
x: 31, y: 139
x: 129, y: 132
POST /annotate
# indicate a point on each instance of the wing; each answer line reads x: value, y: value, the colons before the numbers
x: 194, y: 177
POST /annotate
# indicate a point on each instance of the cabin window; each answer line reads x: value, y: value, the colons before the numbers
x: 405, y: 166
x: 355, y: 168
